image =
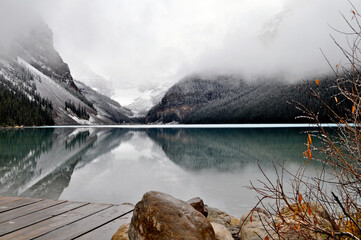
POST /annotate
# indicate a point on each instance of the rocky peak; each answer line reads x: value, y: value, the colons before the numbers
x: 36, y: 47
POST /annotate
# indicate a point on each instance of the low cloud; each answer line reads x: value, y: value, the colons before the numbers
x: 16, y: 19
x: 286, y: 45
x: 145, y: 42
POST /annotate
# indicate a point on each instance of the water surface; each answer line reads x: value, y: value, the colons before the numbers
x: 116, y: 165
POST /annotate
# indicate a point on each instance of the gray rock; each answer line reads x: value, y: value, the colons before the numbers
x: 218, y: 216
x: 221, y: 232
x: 234, y: 231
x: 198, y: 205
x: 255, y: 225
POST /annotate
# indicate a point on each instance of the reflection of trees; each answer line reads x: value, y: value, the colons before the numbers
x: 15, y: 145
x: 107, y: 140
x: 227, y: 149
x: 20, y: 150
x: 43, y: 168
x: 80, y: 138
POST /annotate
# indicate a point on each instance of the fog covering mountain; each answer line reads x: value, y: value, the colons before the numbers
x: 33, y: 74
x: 81, y: 72
x: 228, y: 99
x: 150, y: 97
x: 105, y: 106
x: 37, y: 87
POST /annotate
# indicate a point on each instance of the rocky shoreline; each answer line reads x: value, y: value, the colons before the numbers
x: 160, y: 216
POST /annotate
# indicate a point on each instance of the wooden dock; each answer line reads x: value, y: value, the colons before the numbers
x: 28, y: 218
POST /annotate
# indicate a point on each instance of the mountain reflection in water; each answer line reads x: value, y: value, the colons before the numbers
x: 116, y: 165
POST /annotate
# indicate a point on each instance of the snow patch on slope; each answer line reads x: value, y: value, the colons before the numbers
x: 57, y: 94
x: 149, y: 98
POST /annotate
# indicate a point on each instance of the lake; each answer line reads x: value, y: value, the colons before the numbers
x: 116, y: 165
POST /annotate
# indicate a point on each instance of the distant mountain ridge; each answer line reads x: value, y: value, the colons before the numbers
x: 228, y: 99
x: 32, y: 70
x: 37, y: 88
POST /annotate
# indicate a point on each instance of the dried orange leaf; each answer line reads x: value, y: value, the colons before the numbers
x: 353, y: 109
x: 297, y: 227
x: 308, y: 145
x: 317, y: 82
x: 309, y: 138
x: 300, y: 198
x: 353, y: 12
x: 250, y: 218
x: 309, y: 210
x: 336, y: 100
x: 266, y: 238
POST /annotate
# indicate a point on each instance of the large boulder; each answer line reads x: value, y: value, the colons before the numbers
x: 162, y: 217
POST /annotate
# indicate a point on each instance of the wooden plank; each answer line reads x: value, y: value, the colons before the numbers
x: 30, y: 219
x: 22, y: 211
x: 8, y: 199
x: 88, y: 224
x: 51, y: 224
x: 18, y: 203
x: 107, y: 230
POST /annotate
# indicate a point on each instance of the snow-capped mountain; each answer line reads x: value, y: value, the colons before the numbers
x: 150, y: 96
x: 31, y: 68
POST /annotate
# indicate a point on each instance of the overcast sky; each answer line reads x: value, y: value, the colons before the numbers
x: 154, y: 41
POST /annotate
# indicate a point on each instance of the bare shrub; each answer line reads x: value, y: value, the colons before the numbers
x: 326, y: 206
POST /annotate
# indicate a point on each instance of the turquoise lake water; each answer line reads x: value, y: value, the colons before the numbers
x: 116, y: 164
